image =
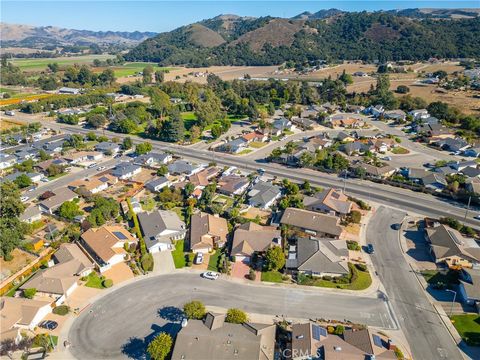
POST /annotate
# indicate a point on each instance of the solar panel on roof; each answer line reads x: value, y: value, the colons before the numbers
x: 318, y: 331
x: 120, y: 235
x: 377, y: 340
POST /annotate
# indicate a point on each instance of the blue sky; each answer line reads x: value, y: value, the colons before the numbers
x: 166, y: 15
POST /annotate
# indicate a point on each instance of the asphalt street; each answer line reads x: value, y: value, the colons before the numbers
x: 127, y: 317
x: 384, y: 194
x: 423, y: 328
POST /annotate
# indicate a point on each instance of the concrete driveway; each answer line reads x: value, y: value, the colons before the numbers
x: 163, y: 263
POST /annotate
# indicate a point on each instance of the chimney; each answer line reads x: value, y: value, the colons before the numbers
x: 391, y: 345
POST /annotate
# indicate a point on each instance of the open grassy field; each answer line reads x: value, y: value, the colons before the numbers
x: 6, y: 124
x: 132, y: 68
x: 23, y: 97
x: 41, y: 64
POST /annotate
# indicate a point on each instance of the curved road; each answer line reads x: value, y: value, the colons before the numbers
x: 119, y: 324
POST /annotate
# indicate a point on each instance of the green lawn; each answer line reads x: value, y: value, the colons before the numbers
x: 400, y: 151
x: 179, y: 255
x: 95, y: 281
x: 272, y: 276
x: 132, y: 68
x: 244, y: 152
x: 41, y: 64
x: 257, y: 144
x: 189, y: 119
x: 213, y: 262
x: 223, y: 200
x: 433, y: 277
x: 468, y: 326
x: 361, y: 281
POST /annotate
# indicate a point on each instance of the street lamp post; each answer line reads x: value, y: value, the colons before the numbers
x: 453, y: 301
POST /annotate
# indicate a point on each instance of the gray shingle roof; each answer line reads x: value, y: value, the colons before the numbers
x: 155, y: 222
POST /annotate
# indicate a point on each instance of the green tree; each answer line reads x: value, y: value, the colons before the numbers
x: 275, y: 258
x: 236, y: 316
x: 160, y: 347
x: 216, y: 131
x: 10, y: 206
x: 43, y: 155
x: 96, y: 120
x: 162, y: 170
x: 23, y: 181
x: 54, y: 170
x: 346, y: 78
x: 160, y: 101
x: 159, y: 76
x: 127, y: 143
x: 194, y: 310
x: 147, y: 74
x: 173, y: 129
x: 68, y: 119
x: 143, y: 148
x: 147, y: 262
x: 69, y: 209
x: 29, y: 293
x: 402, y: 89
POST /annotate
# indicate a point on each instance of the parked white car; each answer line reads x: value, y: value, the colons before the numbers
x: 24, y: 199
x: 101, y: 168
x: 199, y: 258
x: 211, y: 275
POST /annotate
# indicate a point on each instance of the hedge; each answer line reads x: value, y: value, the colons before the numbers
x: 61, y: 310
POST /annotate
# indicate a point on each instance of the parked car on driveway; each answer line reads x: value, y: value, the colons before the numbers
x: 48, y: 324
x: 199, y: 258
x: 211, y: 275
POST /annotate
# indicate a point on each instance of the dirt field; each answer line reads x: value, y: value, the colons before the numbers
x: 224, y: 72
x: 20, y: 259
x: 8, y: 124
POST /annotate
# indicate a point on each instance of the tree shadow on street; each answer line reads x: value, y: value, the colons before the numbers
x: 171, y: 313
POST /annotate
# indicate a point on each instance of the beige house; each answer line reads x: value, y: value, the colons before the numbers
x: 106, y: 244
x: 250, y: 238
x: 312, y: 223
x: 207, y: 232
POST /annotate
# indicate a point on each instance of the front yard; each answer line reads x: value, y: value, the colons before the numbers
x: 178, y: 255
x: 213, y: 261
x: 357, y: 280
x: 93, y: 280
x: 272, y: 276
x: 438, y: 279
x: 468, y: 326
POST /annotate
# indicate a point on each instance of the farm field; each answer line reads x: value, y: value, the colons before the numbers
x: 41, y: 64
x: 129, y: 69
x: 23, y: 97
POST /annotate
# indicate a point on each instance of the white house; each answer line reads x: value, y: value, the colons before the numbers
x: 7, y: 160
x: 160, y: 228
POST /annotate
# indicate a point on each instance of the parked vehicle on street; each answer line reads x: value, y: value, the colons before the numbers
x: 370, y: 249
x: 101, y: 168
x: 24, y: 198
x: 211, y: 275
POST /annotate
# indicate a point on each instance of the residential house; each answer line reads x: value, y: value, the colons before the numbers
x: 26, y: 154
x: 250, y: 238
x: 255, y: 136
x: 72, y: 254
x: 7, y: 160
x: 346, y: 121
x: 160, y: 228
x: 312, y: 341
x: 83, y: 156
x: 360, y: 74
x: 449, y: 144
x: 461, y: 165
x: 356, y: 109
x: 94, y: 185
x: 281, y: 125
x: 419, y: 114
x: 304, y: 123
x: 367, y: 134
x: 395, y: 115
x: 126, y: 170
x: 207, y: 232
x: 312, y: 223
x: 382, y: 145
x: 213, y: 338
x: 54, y: 146
x: 157, y: 184
x: 375, y: 111
x: 106, y: 245
x: 469, y: 288
x: 153, y: 159
x: 345, y: 137
x: 34, y: 177
x: 44, y: 165
x: 204, y: 177
x: 381, y: 172
x: 20, y: 314
x: 232, y: 185
x: 473, y: 152
x: 355, y: 147
x: 448, y: 246
x: 31, y: 214
x: 431, y: 120
x: 330, y: 201
x: 319, y: 257
x: 473, y: 185
x: 182, y: 167
x: 416, y: 174
x: 69, y: 91
x: 434, y: 181
x: 435, y: 132
x: 108, y: 147
x: 471, y: 172
x: 234, y: 146
x: 263, y: 195
x: 60, y: 196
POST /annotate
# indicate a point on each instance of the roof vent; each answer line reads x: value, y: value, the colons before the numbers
x: 337, y: 348
x: 300, y: 336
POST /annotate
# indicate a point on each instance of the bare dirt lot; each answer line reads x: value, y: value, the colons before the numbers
x: 224, y: 72
x: 20, y: 259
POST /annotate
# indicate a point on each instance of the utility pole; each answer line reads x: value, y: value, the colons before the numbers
x: 344, y: 181
x: 468, y: 207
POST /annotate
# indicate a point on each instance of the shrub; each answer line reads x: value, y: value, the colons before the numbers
x: 29, y: 293
x: 160, y: 347
x: 353, y: 245
x: 147, y: 262
x: 194, y: 310
x: 361, y: 267
x: 61, y: 310
x: 339, y: 329
x: 355, y: 217
x: 236, y: 316
x: 107, y: 283
x: 252, y: 275
x: 327, y: 278
x: 402, y: 89
x: 330, y: 329
x: 398, y: 353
